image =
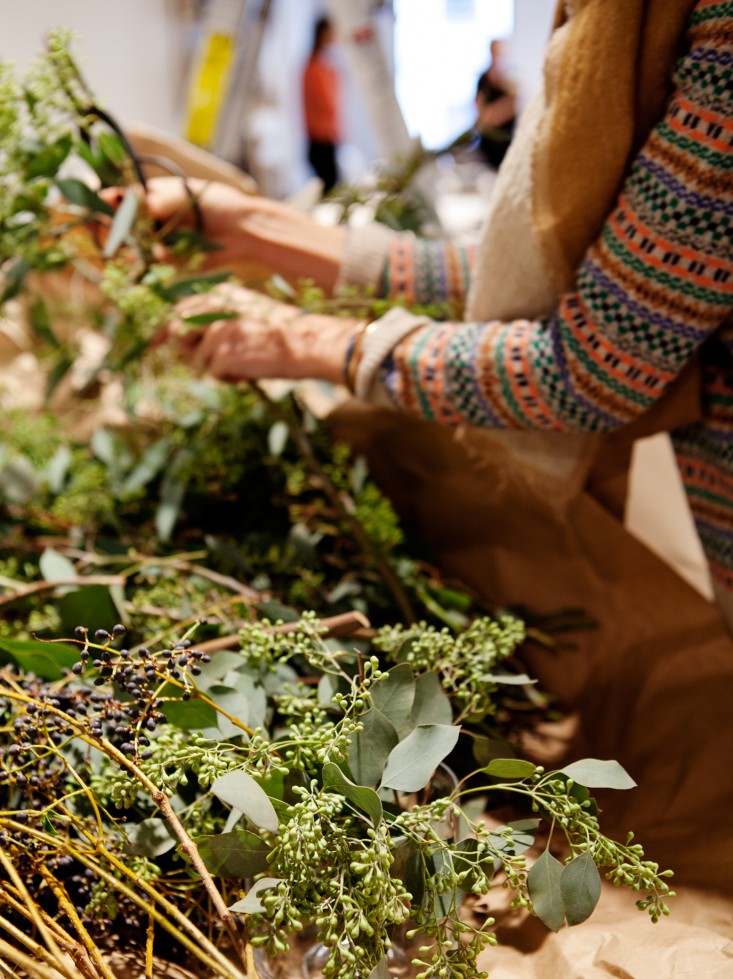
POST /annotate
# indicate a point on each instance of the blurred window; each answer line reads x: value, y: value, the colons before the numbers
x: 440, y: 49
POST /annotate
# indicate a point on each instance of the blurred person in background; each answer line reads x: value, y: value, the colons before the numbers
x: 496, y: 107
x: 322, y: 105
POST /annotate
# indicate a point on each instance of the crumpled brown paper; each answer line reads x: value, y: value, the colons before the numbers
x: 651, y: 685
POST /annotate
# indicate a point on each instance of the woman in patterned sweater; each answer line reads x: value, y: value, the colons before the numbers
x: 653, y: 290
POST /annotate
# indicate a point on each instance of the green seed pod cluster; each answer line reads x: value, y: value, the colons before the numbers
x: 465, y: 661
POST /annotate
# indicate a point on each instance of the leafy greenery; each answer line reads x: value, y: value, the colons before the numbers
x: 249, y: 766
x: 288, y: 771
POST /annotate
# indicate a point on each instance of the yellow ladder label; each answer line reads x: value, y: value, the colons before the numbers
x: 209, y: 88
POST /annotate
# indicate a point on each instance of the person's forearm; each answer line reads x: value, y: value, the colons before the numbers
x: 294, y: 245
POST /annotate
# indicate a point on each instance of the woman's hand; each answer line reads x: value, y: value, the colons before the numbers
x: 252, y: 232
x: 263, y: 339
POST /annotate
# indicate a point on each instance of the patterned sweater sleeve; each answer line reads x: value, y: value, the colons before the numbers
x: 653, y: 287
x: 420, y: 271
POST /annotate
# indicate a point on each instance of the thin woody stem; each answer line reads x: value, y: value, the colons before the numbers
x: 68, y: 908
x: 38, y: 950
x: 38, y: 921
x: 197, y: 944
x: 30, y: 967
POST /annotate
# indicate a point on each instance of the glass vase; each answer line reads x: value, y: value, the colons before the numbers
x: 398, y: 963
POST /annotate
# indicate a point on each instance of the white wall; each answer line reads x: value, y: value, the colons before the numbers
x: 130, y: 52
x: 532, y: 25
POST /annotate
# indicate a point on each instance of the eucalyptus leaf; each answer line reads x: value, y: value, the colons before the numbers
x: 151, y: 838
x: 41, y: 324
x: 56, y: 470
x: 224, y: 662
x: 232, y: 819
x: 510, y: 768
x: 206, y: 319
x: 520, y: 839
x: 360, y: 796
x: 110, y: 449
x: 381, y: 970
x: 122, y: 223
x: 543, y: 885
x: 233, y: 702
x: 580, y: 886
x: 47, y: 161
x: 55, y: 567
x: 511, y: 679
x: 371, y: 747
x: 251, y: 904
x: 413, y: 761
x: 191, y: 286
x: 240, y: 790
x: 595, y: 773
x: 19, y: 481
x: 78, y: 193
x: 112, y: 146
x: 277, y: 437
x: 13, y: 279
x: 61, y: 367
x: 172, y: 491
x: 328, y: 687
x: 486, y: 749
x: 431, y: 704
x: 151, y: 463
x: 237, y: 855
x: 394, y: 696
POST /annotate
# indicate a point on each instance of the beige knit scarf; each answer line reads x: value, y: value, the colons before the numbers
x: 607, y: 75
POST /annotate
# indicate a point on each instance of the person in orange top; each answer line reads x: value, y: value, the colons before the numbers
x: 321, y: 102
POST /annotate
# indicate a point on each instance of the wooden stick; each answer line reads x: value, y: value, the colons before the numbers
x: 40, y: 586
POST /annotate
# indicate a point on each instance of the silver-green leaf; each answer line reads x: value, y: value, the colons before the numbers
x: 510, y: 768
x: 240, y: 790
x: 252, y: 904
x: 594, y: 773
x: 580, y: 887
x: 413, y: 761
x: 394, y: 696
x: 363, y: 798
x: 543, y: 885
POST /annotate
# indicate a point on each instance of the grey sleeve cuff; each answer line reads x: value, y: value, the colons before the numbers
x: 366, y: 252
x: 380, y: 338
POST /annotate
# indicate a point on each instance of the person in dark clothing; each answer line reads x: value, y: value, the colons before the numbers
x: 321, y: 104
x: 496, y: 106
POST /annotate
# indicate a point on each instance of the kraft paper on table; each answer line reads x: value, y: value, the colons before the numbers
x: 651, y: 685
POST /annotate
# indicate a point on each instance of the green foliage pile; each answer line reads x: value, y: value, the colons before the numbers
x: 199, y: 768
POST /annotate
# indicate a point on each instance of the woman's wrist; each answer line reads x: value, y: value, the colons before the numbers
x: 319, y: 345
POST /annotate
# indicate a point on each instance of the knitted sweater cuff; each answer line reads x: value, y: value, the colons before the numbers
x: 380, y: 338
x: 366, y: 252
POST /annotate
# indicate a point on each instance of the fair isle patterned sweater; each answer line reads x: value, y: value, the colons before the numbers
x: 654, y: 288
